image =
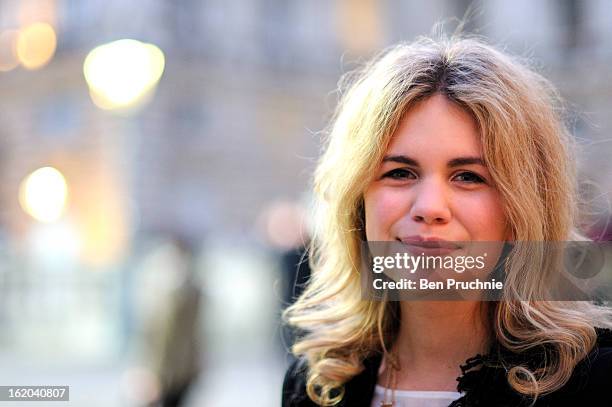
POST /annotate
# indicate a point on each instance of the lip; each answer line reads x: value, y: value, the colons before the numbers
x: 429, y: 245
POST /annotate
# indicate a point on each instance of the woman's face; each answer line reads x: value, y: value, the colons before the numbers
x: 433, y: 183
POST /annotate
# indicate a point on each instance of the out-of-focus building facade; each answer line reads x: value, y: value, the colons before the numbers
x: 247, y: 86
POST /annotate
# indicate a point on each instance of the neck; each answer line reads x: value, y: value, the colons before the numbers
x: 440, y: 333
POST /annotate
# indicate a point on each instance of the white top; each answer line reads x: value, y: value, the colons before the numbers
x: 409, y: 398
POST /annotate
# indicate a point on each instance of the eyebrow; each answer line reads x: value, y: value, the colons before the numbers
x: 455, y: 162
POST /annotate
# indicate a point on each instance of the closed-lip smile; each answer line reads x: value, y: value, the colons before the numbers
x: 430, y: 245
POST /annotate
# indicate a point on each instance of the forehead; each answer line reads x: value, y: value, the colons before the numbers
x: 436, y: 126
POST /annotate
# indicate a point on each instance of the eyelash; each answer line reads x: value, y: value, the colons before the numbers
x: 477, y: 179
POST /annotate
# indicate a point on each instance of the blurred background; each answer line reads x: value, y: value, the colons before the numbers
x: 156, y: 157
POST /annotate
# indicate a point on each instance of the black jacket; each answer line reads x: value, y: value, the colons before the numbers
x: 590, y: 384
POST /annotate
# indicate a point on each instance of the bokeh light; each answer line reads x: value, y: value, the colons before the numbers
x: 283, y: 224
x: 43, y: 194
x: 36, y: 45
x: 122, y: 73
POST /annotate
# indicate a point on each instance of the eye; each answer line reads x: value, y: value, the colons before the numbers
x: 400, y: 174
x: 469, y: 177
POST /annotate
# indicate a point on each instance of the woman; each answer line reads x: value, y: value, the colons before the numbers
x: 445, y: 140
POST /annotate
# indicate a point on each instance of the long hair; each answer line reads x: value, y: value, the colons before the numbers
x: 528, y: 152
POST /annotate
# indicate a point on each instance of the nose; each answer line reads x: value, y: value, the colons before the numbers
x: 431, y: 204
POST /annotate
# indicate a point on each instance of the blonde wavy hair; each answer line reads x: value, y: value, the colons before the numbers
x: 528, y: 151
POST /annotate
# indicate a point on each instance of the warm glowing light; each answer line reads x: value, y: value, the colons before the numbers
x: 8, y: 50
x: 122, y: 73
x: 43, y: 194
x: 284, y: 225
x: 36, y: 45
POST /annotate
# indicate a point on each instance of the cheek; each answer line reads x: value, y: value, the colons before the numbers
x: 383, y: 208
x: 484, y: 217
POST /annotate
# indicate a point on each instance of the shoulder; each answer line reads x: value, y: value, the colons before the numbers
x: 598, y: 365
x: 358, y: 391
x: 591, y: 381
x: 589, y: 385
x: 294, y: 385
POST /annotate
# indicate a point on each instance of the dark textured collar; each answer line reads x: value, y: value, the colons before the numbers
x: 484, y: 377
